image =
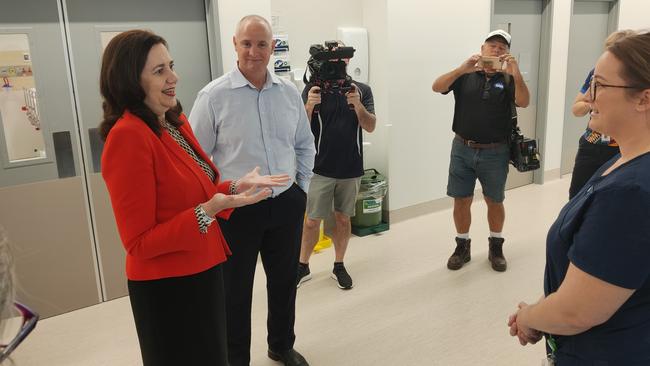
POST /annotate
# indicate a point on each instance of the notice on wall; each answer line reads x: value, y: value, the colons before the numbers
x: 281, y: 61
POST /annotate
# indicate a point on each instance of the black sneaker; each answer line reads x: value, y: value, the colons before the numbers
x: 343, y: 279
x: 303, y: 274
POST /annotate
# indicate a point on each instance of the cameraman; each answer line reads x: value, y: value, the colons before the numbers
x: 482, y: 122
x: 336, y: 122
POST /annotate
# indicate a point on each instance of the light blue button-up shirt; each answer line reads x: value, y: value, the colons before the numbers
x: 242, y: 127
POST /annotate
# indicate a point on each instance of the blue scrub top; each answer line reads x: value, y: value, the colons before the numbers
x: 605, y: 231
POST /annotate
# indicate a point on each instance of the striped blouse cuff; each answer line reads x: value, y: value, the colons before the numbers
x: 202, y: 219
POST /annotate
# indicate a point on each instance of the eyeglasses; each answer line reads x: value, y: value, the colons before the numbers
x: 486, y: 90
x: 594, y: 85
x: 15, y: 329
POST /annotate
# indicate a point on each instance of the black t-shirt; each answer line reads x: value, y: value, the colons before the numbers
x: 337, y: 134
x: 605, y: 231
x: 482, y: 112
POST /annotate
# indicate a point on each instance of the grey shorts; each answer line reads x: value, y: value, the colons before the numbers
x: 489, y: 166
x: 328, y: 194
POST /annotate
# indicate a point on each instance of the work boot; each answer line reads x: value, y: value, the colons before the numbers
x: 496, y: 257
x: 461, y: 254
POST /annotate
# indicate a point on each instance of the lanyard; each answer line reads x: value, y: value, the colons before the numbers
x: 552, y: 345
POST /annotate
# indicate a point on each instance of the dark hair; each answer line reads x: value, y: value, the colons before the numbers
x: 634, y: 53
x: 119, y: 81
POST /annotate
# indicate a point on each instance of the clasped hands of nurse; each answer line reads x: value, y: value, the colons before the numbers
x: 524, y: 334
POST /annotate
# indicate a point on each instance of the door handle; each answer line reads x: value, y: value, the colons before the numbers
x: 64, y: 155
x: 96, y: 148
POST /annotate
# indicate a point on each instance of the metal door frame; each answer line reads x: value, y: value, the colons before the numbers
x: 612, y: 13
x: 543, y: 82
x: 543, y: 77
x: 214, y: 38
x: 77, y: 135
x: 612, y: 25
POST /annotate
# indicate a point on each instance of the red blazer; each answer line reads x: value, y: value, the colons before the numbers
x: 154, y: 187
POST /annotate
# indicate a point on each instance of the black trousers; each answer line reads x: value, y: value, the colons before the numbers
x: 589, y: 158
x: 273, y: 229
x: 181, y: 320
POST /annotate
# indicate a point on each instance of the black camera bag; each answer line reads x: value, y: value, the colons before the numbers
x: 524, y: 155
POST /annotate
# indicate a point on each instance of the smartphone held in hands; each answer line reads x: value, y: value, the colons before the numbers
x: 490, y: 63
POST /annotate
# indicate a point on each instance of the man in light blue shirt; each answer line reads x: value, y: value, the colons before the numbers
x: 248, y: 118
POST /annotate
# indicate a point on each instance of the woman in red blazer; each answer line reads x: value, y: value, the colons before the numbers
x: 165, y: 193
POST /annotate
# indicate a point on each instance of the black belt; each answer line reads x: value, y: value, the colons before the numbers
x: 478, y: 145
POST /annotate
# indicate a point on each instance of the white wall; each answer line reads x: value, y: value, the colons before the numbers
x: 375, y: 19
x: 229, y: 13
x: 14, y: 42
x: 634, y: 14
x: 307, y: 22
x: 425, y: 40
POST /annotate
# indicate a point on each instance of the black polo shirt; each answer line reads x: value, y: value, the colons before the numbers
x: 482, y: 112
x: 337, y: 134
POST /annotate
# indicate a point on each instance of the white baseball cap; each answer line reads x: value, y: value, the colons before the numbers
x: 499, y: 33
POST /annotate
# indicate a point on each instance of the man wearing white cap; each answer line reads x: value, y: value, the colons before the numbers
x: 484, y: 86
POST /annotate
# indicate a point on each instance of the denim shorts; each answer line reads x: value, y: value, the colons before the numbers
x: 489, y: 165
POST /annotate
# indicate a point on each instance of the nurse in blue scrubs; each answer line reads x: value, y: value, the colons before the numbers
x: 596, y: 304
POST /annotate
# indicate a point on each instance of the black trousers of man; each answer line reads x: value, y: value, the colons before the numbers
x: 273, y: 229
x: 589, y: 158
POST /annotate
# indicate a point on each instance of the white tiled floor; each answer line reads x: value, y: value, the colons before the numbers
x: 406, y: 308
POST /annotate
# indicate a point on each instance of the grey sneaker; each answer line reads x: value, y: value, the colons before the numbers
x: 343, y: 279
x: 303, y: 274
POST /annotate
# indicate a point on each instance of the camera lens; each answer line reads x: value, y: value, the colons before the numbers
x: 328, y: 70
